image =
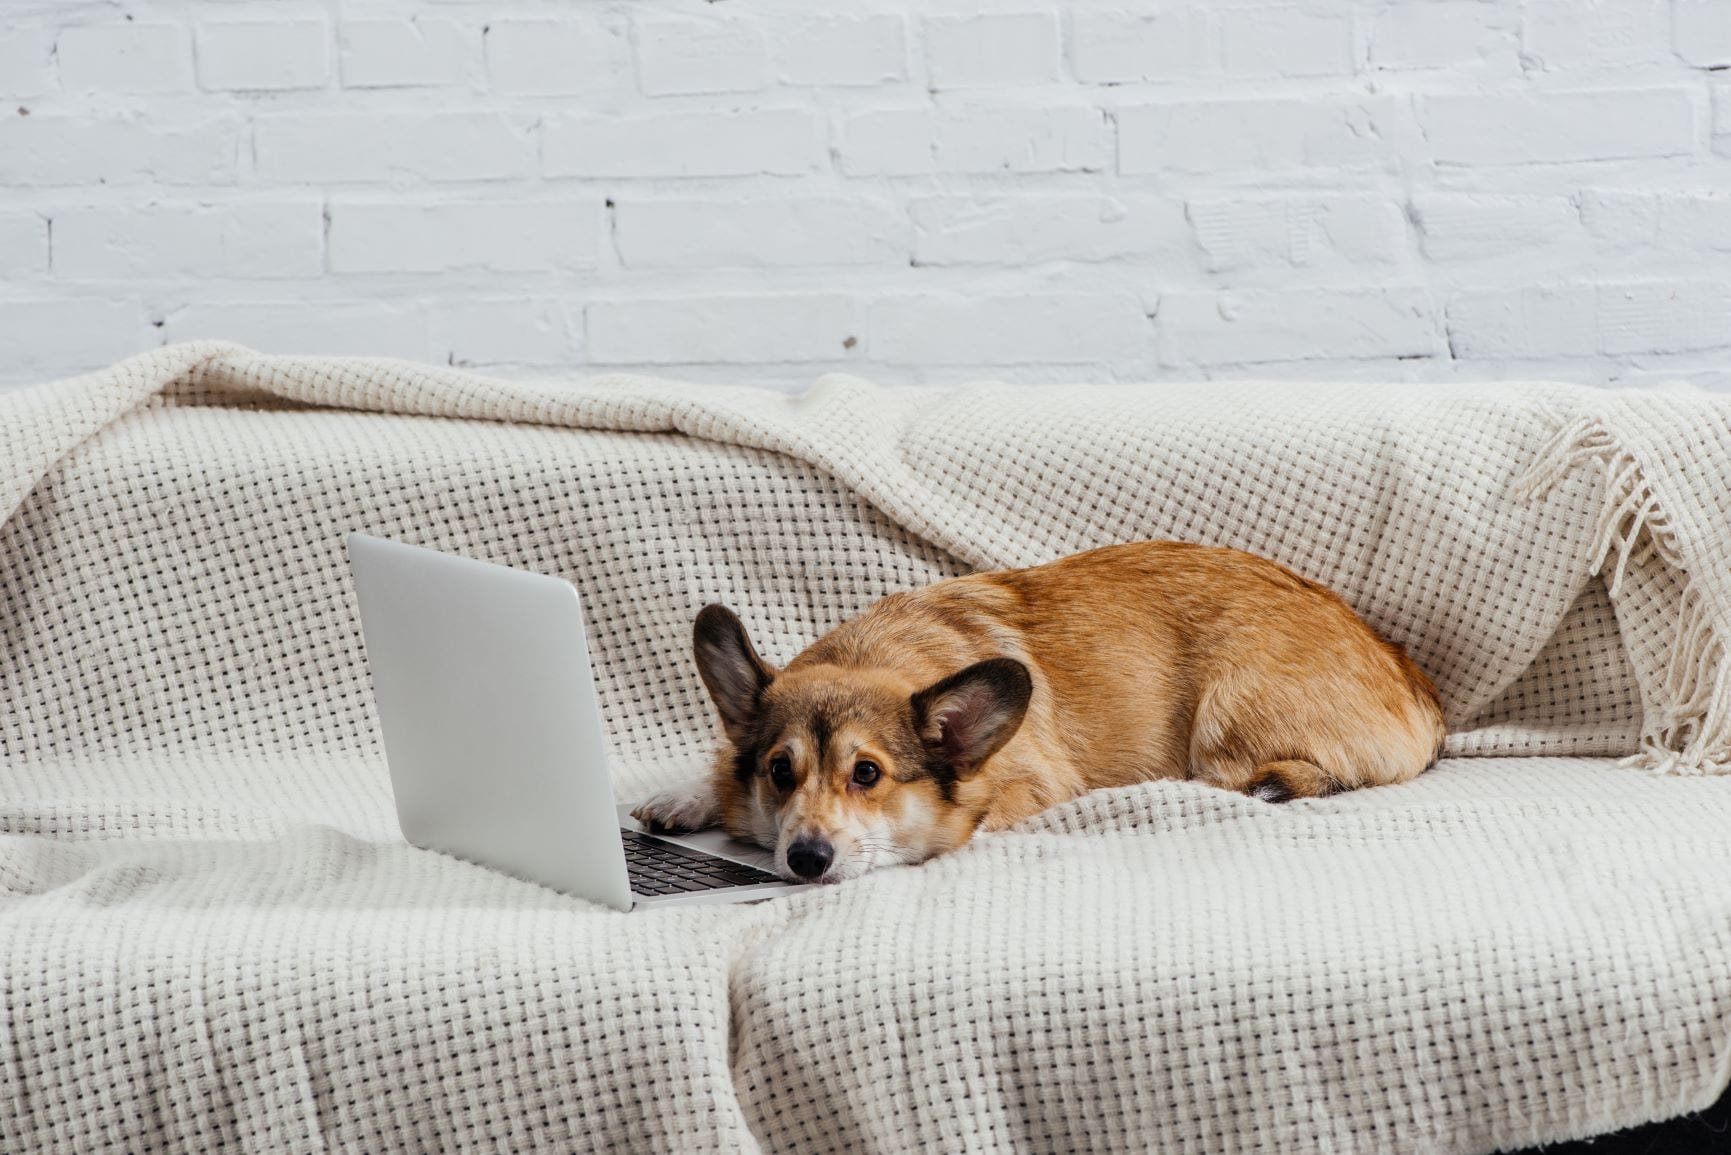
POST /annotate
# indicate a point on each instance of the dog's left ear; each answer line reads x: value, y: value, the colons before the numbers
x: 967, y: 717
x: 732, y: 672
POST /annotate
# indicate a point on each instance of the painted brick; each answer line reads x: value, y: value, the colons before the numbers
x: 512, y: 331
x: 70, y: 149
x: 336, y: 328
x: 268, y: 239
x: 1132, y: 47
x: 1701, y: 32
x: 977, y: 140
x: 407, y: 53
x: 892, y: 141
x: 1262, y: 135
x: 23, y: 244
x: 59, y: 337
x: 766, y: 232
x: 1523, y: 324
x: 1696, y: 222
x: 26, y: 61
x: 1664, y: 317
x: 1442, y: 34
x: 1461, y: 226
x: 1286, y: 42
x: 1257, y: 326
x: 248, y: 55
x: 991, y: 50
x: 1031, y: 229
x: 297, y: 147
x: 1023, y: 140
x: 740, y: 327
x: 1619, y: 220
x: 850, y: 51
x: 129, y: 57
x: 1553, y: 127
x: 699, y: 56
x: 549, y: 57
x: 1588, y: 33
x: 774, y: 141
x: 966, y: 328
x: 1687, y: 223
x: 1298, y: 231
x: 508, y: 236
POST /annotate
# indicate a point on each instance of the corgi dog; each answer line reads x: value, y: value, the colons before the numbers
x: 979, y: 701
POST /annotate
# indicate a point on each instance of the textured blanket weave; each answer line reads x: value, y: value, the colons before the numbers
x: 212, y: 935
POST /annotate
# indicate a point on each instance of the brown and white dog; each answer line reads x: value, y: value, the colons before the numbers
x: 978, y: 701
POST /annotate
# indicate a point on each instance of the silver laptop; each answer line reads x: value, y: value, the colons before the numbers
x: 493, y: 736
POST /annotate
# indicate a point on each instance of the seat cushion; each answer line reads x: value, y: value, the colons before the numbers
x: 1502, y: 952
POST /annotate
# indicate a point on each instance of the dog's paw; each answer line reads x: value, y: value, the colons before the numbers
x: 679, y: 811
x: 1272, y: 790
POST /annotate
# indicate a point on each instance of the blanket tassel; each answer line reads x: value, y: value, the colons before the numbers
x: 1692, y: 733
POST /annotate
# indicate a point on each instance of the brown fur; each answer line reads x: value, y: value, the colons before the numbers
x: 1147, y: 660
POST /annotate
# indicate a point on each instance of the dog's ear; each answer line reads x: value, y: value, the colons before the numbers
x: 733, y: 673
x: 967, y: 717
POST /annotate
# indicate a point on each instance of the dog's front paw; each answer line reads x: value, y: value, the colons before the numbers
x: 679, y: 811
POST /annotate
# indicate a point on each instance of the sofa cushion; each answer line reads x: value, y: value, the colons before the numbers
x: 1502, y: 952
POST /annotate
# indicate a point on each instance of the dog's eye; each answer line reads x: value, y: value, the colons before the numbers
x: 865, y: 773
x: 781, y: 772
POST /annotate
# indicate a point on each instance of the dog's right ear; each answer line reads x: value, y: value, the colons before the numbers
x: 967, y: 717
x: 733, y: 673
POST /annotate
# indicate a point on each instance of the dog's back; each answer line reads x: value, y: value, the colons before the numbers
x: 1164, y: 659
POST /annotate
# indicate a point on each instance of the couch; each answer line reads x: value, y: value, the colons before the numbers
x: 213, y: 936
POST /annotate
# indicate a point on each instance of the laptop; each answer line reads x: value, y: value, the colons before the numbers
x: 493, y: 736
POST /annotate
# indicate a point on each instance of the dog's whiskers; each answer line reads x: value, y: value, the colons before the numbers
x: 875, y: 846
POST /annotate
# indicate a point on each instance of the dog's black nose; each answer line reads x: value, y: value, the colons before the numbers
x: 810, y: 857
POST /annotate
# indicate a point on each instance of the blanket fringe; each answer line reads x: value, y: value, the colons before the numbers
x: 1692, y: 733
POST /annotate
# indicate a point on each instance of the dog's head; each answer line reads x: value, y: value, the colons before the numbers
x: 839, y: 769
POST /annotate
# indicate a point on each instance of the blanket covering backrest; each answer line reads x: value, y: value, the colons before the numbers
x: 1463, y: 522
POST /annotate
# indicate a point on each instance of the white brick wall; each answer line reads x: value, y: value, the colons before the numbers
x: 124, y: 57
x: 1035, y: 190
x: 261, y: 55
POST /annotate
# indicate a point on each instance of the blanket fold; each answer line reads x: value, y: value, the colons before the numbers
x: 1664, y: 535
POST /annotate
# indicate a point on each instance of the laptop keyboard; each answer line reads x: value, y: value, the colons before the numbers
x: 658, y: 867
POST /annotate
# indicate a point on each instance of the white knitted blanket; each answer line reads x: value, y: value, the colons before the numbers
x: 211, y: 934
